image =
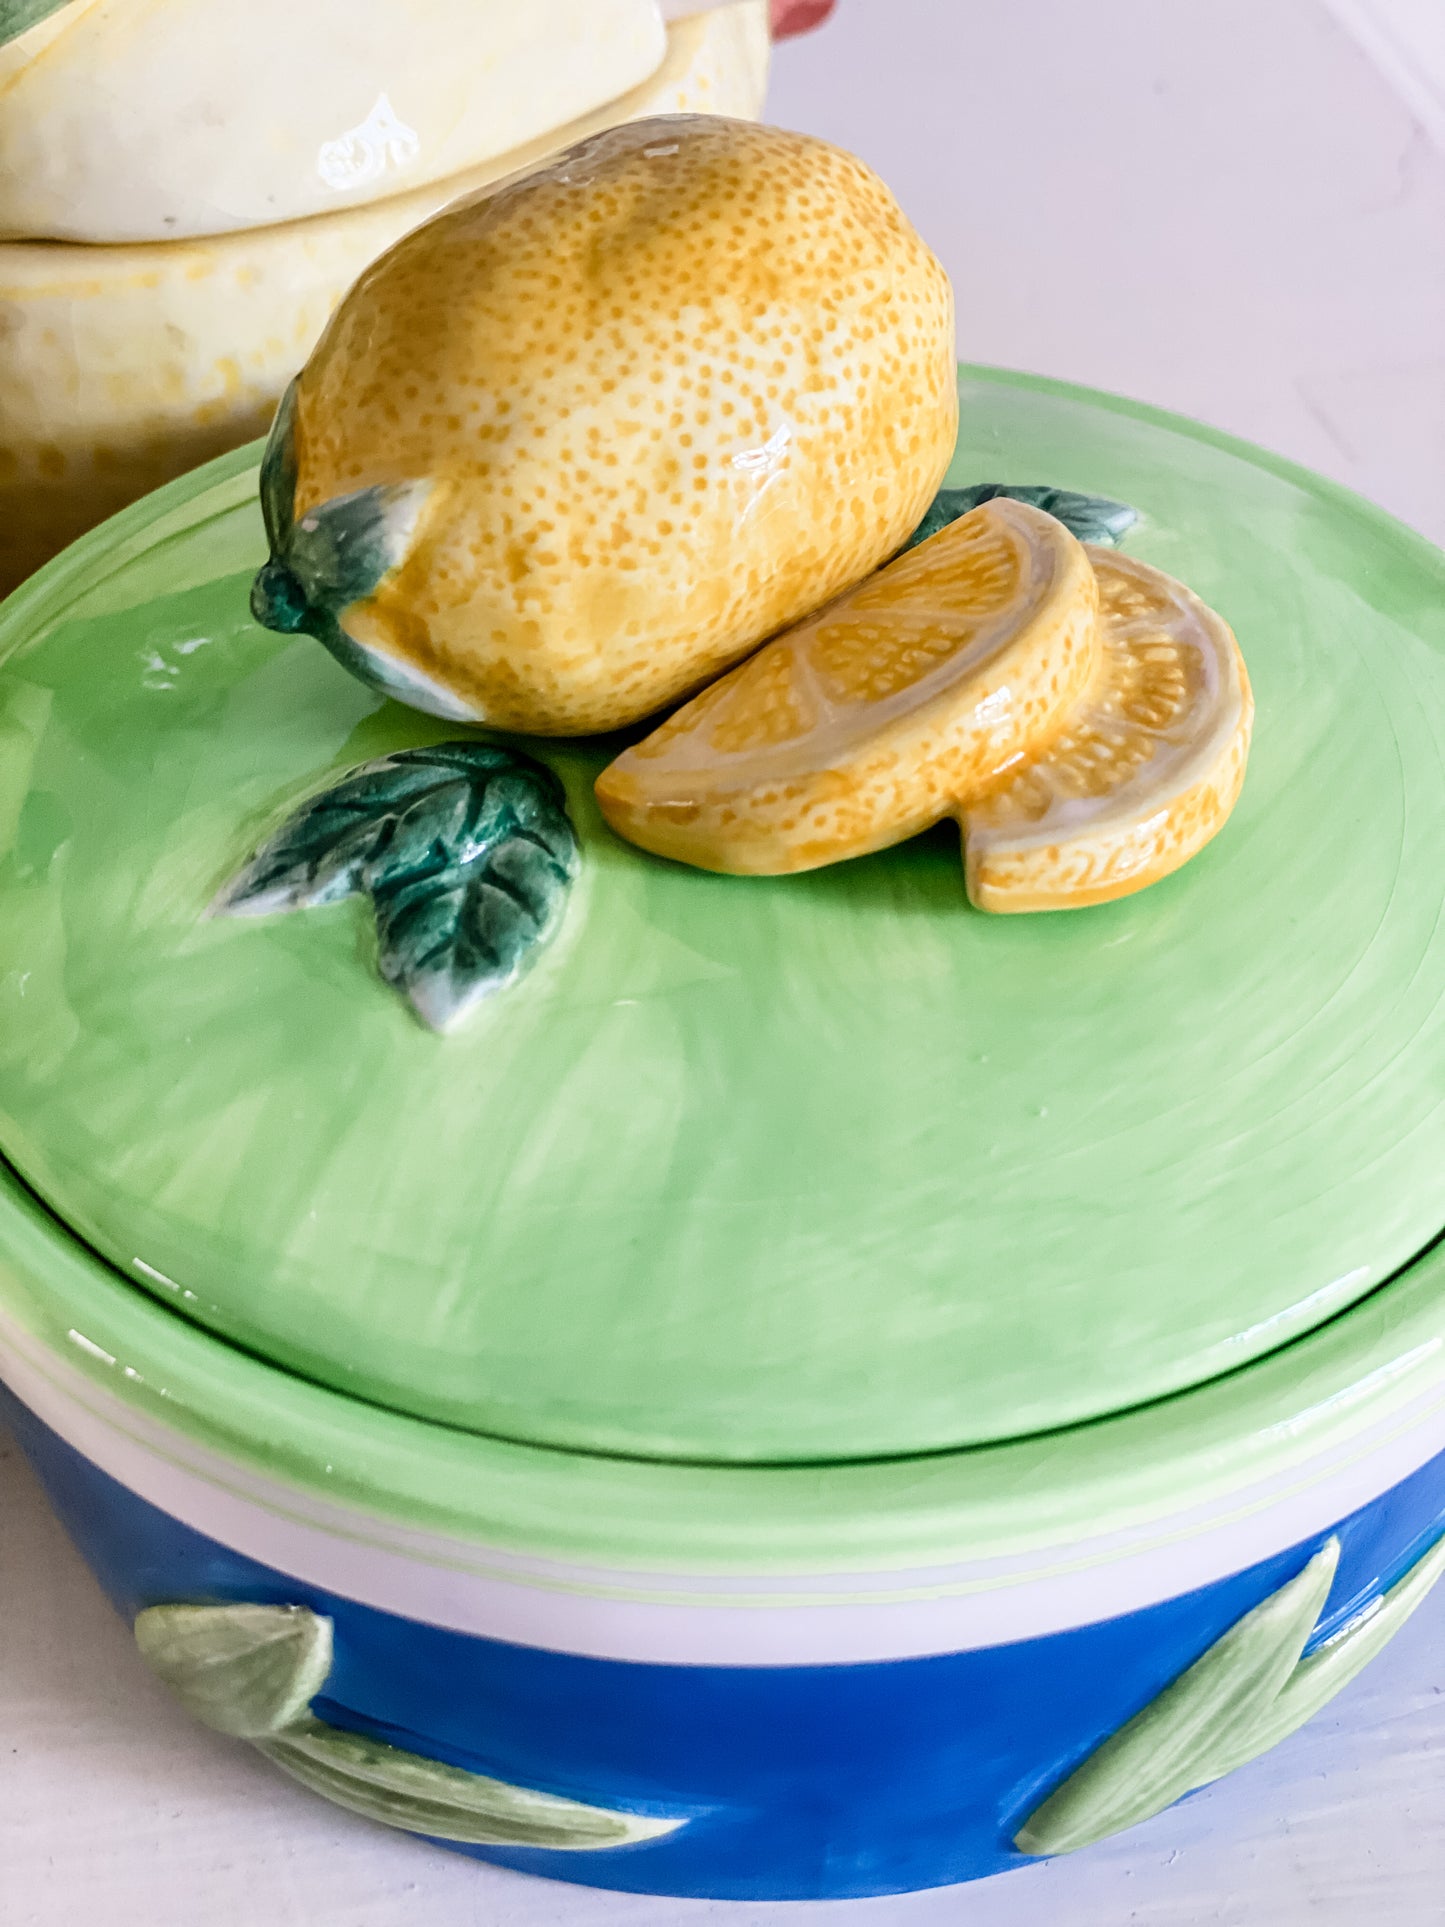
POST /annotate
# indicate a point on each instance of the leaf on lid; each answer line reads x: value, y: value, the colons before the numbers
x: 465, y: 850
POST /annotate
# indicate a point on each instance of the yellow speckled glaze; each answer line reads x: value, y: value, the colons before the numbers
x: 672, y: 391
x: 861, y: 726
x: 1141, y: 776
x: 124, y: 366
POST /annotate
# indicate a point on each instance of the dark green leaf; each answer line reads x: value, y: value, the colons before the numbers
x: 1092, y: 518
x: 465, y: 849
x: 340, y: 550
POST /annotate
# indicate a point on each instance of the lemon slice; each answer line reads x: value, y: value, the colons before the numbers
x: 1141, y: 777
x: 867, y: 721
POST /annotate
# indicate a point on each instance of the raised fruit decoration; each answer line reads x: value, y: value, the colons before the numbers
x: 664, y: 422
x: 864, y: 723
x: 1142, y: 774
x: 584, y: 440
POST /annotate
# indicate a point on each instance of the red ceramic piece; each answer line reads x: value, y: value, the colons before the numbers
x: 797, y: 16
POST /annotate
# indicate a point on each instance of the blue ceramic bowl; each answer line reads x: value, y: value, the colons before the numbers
x: 804, y: 1730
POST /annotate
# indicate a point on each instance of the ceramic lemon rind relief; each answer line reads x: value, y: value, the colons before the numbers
x: 643, y: 438
x: 465, y: 848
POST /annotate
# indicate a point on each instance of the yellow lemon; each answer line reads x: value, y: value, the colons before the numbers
x: 584, y: 440
x: 866, y: 722
x: 1140, y: 777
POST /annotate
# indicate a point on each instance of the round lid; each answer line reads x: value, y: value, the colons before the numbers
x: 812, y: 1168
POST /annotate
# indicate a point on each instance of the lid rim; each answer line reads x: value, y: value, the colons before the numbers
x: 1380, y: 1364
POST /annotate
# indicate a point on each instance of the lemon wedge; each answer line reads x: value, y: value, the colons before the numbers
x: 1140, y: 777
x: 870, y: 719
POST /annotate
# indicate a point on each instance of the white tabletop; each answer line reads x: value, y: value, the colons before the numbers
x: 1220, y: 208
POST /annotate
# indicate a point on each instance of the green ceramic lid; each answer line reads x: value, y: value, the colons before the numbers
x: 803, y: 1169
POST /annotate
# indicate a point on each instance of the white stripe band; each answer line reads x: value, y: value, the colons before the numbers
x: 692, y: 1619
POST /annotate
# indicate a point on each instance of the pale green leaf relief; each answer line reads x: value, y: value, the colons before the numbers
x: 418, y: 1795
x: 1249, y: 1691
x: 465, y: 849
x: 1092, y: 518
x: 252, y: 1672
x: 248, y: 1671
x: 1332, y: 1665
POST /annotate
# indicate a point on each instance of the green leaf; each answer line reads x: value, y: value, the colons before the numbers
x: 1169, y: 1748
x: 1235, y: 1703
x: 418, y: 1795
x: 465, y: 849
x: 250, y: 1671
x: 1332, y: 1665
x: 19, y: 16
x: 1092, y: 518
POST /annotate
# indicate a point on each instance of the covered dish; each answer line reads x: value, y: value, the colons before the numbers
x: 814, y: 1391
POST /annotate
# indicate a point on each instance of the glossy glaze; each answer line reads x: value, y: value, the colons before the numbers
x: 865, y: 723
x: 268, y: 112
x: 253, y: 1671
x: 465, y: 851
x: 798, y: 1781
x: 947, y: 1180
x: 1084, y: 718
x: 125, y: 366
x: 666, y: 395
x: 1258, y: 1683
x: 1139, y: 774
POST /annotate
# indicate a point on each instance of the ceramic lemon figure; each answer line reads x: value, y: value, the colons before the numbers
x: 583, y: 441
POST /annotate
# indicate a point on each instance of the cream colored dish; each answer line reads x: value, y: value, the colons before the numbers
x: 122, y: 367
x: 154, y: 120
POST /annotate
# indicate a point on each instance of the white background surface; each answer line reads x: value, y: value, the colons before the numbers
x: 1220, y: 207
